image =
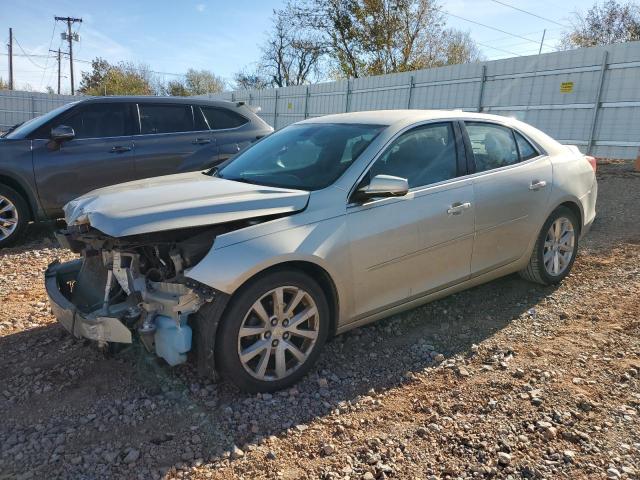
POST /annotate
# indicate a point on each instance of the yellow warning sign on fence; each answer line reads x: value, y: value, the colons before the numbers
x: 566, y: 87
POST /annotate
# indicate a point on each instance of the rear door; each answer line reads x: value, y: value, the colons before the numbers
x: 227, y: 129
x: 512, y: 184
x: 170, y: 133
x: 100, y: 154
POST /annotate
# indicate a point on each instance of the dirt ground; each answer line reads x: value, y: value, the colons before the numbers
x: 507, y: 380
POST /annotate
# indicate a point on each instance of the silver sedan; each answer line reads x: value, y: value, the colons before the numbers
x: 326, y: 225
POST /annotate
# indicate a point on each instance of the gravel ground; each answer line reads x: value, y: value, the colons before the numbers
x: 507, y: 380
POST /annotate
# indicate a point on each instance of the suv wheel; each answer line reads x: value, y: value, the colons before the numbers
x: 555, y: 249
x: 272, y: 332
x: 14, y: 216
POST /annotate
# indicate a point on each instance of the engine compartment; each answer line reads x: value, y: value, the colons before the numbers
x: 139, y: 282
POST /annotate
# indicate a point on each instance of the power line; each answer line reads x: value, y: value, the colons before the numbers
x: 492, y: 28
x: 25, y: 53
x: 499, y: 49
x: 530, y: 13
x: 46, y: 63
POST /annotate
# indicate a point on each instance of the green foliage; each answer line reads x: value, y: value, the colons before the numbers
x: 605, y: 23
x: 121, y: 79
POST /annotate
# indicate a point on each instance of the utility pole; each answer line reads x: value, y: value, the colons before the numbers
x: 542, y: 41
x: 10, y: 58
x: 70, y: 37
x: 59, y: 65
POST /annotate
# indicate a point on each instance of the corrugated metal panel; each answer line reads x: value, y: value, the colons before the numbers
x: 527, y: 88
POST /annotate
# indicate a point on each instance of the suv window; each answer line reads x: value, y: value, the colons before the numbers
x: 525, y: 148
x: 220, y: 118
x: 493, y: 145
x: 424, y: 155
x: 159, y: 118
x: 94, y: 120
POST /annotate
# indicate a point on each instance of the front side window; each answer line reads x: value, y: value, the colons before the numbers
x: 308, y: 156
x: 221, y: 118
x: 423, y: 156
x: 493, y: 145
x: 158, y: 118
x: 100, y: 120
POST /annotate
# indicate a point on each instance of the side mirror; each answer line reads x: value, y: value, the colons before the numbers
x: 62, y: 133
x: 382, y: 186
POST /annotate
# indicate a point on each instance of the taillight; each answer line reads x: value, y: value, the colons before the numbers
x: 592, y: 162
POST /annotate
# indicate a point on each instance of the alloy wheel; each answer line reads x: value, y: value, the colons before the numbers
x: 559, y: 245
x: 8, y: 217
x: 278, y: 333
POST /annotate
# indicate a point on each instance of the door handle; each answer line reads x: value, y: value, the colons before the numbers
x: 201, y: 141
x: 120, y: 149
x: 458, y: 207
x: 537, y: 184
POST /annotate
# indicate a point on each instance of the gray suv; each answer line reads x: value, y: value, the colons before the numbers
x: 92, y: 143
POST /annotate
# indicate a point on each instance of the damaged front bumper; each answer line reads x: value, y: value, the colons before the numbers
x: 58, y: 279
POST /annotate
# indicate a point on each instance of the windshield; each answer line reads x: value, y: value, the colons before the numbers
x: 307, y: 156
x: 29, y: 126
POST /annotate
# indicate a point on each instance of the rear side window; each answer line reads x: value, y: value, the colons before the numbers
x: 158, y: 118
x: 96, y: 120
x: 221, y: 118
x: 525, y: 148
x: 493, y: 145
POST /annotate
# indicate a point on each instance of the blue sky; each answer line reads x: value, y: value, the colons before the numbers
x: 224, y: 36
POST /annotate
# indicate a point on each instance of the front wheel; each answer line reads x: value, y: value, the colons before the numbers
x: 272, y: 332
x: 555, y: 249
x: 14, y: 216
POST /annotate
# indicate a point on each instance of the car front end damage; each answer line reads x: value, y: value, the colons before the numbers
x: 134, y: 288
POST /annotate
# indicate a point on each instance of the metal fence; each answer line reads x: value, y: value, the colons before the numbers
x: 588, y: 97
x: 17, y: 107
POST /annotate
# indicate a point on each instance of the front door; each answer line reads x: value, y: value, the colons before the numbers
x: 100, y: 154
x: 403, y: 248
x: 512, y: 187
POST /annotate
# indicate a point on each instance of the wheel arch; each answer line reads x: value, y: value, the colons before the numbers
x: 314, y: 271
x: 575, y: 208
x: 16, y: 185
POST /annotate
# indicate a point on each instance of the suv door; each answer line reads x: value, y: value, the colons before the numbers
x: 403, y: 248
x: 226, y: 127
x: 169, y: 135
x: 100, y: 154
x: 512, y: 184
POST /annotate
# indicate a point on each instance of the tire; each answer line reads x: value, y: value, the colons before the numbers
x: 14, y: 218
x: 546, y: 273
x: 270, y: 360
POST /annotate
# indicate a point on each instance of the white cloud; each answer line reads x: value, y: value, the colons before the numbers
x: 201, y: 7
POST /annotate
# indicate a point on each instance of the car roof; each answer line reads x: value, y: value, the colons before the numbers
x: 392, y: 117
x: 164, y: 100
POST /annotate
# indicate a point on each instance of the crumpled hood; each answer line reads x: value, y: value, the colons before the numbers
x: 178, y: 201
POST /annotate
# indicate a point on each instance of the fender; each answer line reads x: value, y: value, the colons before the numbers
x: 322, y: 243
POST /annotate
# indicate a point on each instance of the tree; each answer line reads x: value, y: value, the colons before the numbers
x: 176, y: 88
x: 202, y: 82
x: 459, y: 47
x: 372, y: 37
x: 605, y: 23
x: 121, y: 79
x: 3, y: 85
x: 250, y: 80
x: 289, y: 57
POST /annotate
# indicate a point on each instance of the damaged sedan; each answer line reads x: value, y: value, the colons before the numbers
x: 326, y: 225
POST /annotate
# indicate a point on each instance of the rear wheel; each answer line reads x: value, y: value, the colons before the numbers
x: 272, y: 332
x: 14, y: 216
x: 555, y: 249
